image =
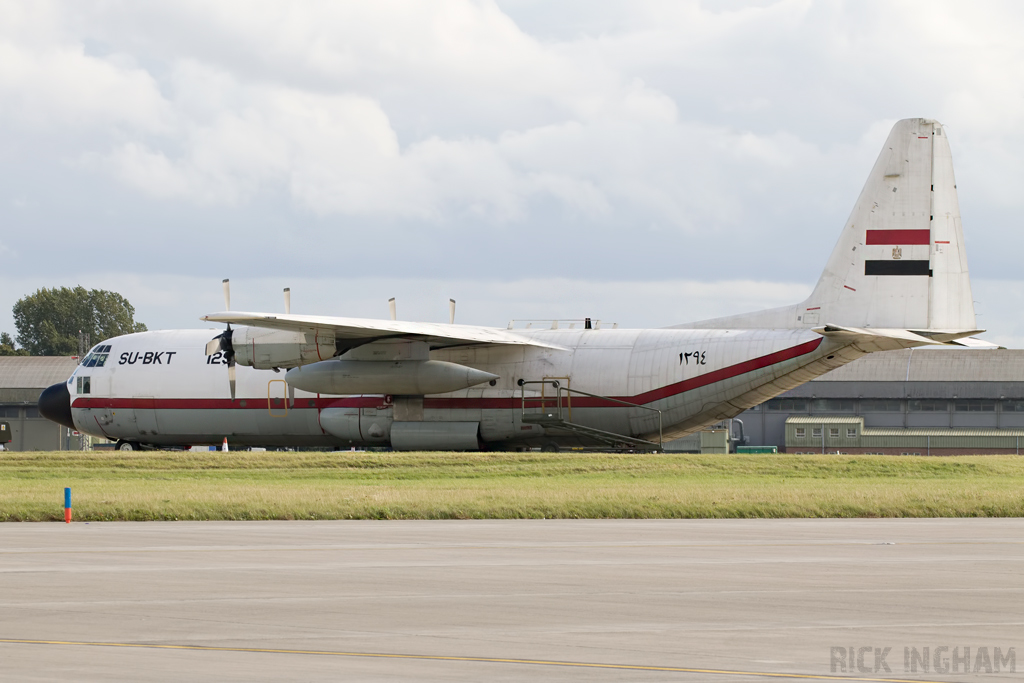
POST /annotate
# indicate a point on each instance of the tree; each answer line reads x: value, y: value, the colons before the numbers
x: 49, y: 321
x: 7, y: 346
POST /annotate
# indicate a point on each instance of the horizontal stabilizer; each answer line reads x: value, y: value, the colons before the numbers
x: 888, y: 339
x: 879, y: 339
x: 945, y: 336
x: 975, y: 343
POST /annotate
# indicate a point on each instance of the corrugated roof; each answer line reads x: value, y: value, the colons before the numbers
x: 933, y: 365
x: 823, y: 419
x: 34, y: 372
x: 938, y: 431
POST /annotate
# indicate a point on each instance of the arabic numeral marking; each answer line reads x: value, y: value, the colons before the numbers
x: 698, y: 357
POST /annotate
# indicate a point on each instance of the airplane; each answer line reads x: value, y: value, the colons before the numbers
x: 897, y: 278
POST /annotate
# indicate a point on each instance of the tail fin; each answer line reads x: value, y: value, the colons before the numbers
x: 900, y: 261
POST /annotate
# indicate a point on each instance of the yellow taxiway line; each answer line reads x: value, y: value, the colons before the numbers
x: 452, y: 658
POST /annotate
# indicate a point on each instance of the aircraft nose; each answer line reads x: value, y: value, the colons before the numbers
x: 55, y: 405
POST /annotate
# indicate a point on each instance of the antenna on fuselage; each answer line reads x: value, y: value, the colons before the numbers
x: 451, y: 311
x: 393, y: 307
x: 287, y: 300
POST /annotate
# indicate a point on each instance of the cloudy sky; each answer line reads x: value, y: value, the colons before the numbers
x: 648, y: 163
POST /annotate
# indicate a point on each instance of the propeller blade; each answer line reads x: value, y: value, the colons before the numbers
x: 227, y: 294
x: 394, y: 308
x: 287, y: 300
x: 229, y: 354
x: 222, y: 344
x: 451, y: 311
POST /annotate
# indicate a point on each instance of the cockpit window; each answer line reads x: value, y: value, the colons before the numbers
x: 84, y: 385
x: 95, y: 359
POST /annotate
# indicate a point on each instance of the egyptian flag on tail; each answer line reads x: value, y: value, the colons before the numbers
x: 897, y: 252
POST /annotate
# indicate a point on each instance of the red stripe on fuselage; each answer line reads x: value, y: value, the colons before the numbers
x: 513, y: 402
x: 898, y: 237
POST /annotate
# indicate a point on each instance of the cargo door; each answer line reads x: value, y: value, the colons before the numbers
x: 277, y: 398
x: 122, y: 423
x: 279, y: 418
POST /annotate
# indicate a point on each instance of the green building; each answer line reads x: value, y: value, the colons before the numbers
x: 847, y: 434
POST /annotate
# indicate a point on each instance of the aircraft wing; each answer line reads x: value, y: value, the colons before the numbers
x: 365, y: 330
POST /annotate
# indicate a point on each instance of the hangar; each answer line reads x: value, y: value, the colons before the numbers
x: 22, y: 379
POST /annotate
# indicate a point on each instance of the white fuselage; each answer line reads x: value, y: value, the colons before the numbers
x: 160, y: 388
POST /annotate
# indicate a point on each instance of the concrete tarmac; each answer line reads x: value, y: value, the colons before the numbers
x: 573, y: 600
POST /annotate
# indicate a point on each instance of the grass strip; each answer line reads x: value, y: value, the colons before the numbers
x: 239, y: 485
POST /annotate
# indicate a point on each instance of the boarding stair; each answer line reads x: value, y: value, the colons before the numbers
x: 554, y: 417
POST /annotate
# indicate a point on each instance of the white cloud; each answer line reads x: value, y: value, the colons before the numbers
x: 318, y: 117
x: 337, y: 153
x: 320, y: 146
x: 48, y: 81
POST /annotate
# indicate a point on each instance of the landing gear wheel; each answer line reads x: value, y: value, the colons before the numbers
x: 129, y: 446
x: 549, y: 447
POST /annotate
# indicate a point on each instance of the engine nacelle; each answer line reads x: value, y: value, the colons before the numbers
x: 262, y: 348
x: 357, y: 425
x: 400, y: 378
x: 435, y: 436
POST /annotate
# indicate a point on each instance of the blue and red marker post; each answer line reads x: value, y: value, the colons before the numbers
x: 67, y: 505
